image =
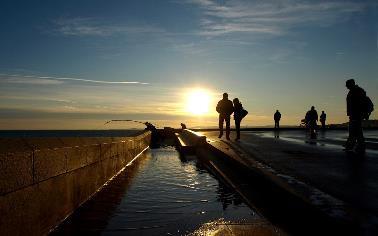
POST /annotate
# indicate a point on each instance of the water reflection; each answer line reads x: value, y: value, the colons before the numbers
x: 226, y: 228
x: 227, y: 197
x: 276, y: 134
x: 163, y: 194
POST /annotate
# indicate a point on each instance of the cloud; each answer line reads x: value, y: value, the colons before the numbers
x: 27, y: 80
x: 73, y: 113
x: 50, y: 80
x: 36, y: 98
x: 94, y: 27
x: 269, y: 17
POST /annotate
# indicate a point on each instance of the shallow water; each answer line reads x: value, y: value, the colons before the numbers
x: 160, y: 195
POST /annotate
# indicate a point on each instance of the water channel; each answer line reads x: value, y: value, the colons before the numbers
x: 163, y: 193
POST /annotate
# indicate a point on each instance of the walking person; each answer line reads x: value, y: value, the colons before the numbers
x: 311, y: 121
x: 239, y: 114
x: 322, y: 120
x: 277, y: 118
x: 225, y: 108
x: 359, y: 106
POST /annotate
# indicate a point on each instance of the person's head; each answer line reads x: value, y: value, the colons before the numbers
x: 236, y: 101
x: 350, y: 83
x: 225, y: 95
x: 277, y: 111
x: 322, y: 111
x: 312, y: 108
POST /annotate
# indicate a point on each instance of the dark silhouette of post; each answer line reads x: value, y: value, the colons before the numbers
x: 277, y: 118
x: 355, y: 110
x: 311, y: 121
x: 225, y: 108
x: 238, y: 116
x: 322, y: 119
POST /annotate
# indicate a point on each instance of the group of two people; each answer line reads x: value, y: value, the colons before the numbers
x: 225, y: 108
x: 311, y: 120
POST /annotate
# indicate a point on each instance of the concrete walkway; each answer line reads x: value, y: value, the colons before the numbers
x: 341, y: 181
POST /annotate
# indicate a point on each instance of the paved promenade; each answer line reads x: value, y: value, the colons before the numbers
x: 343, y: 179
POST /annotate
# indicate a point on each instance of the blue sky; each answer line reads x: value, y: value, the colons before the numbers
x: 76, y: 64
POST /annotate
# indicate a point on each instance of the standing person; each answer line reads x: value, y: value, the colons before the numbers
x: 239, y: 114
x: 225, y: 109
x: 355, y: 100
x: 323, y: 118
x: 277, y: 118
x: 311, y: 121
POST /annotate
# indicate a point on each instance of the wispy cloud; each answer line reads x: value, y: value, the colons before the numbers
x: 36, y: 98
x: 95, y: 27
x: 269, y: 17
x: 50, y: 80
x: 13, y: 79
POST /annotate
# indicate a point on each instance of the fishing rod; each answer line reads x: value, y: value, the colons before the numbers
x: 136, y: 121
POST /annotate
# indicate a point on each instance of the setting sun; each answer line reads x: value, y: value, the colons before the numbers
x: 198, y: 102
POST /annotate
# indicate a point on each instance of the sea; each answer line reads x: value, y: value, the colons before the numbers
x: 68, y: 133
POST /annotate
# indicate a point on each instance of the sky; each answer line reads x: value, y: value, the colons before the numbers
x: 76, y: 64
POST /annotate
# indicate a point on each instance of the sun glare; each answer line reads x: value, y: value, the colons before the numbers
x: 198, y: 102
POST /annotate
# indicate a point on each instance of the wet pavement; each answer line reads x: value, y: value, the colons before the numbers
x: 332, y: 139
x: 319, y: 162
x: 163, y: 193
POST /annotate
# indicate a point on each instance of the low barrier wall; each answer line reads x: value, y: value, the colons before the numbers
x: 43, y: 180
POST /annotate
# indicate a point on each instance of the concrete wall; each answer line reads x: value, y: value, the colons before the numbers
x: 43, y: 180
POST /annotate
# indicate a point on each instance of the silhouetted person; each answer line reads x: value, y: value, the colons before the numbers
x: 225, y: 109
x: 355, y: 99
x: 322, y: 119
x: 183, y: 126
x: 311, y: 121
x: 277, y: 118
x: 149, y: 126
x: 238, y: 116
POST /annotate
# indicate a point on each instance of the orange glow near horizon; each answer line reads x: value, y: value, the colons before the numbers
x: 198, y: 102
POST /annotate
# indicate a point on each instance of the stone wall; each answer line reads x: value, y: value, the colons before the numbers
x: 43, y: 180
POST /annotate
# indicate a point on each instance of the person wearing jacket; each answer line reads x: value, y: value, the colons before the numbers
x: 277, y: 118
x: 225, y: 108
x: 355, y: 100
x: 238, y: 116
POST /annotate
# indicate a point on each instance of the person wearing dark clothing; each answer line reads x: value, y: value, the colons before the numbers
x: 323, y: 118
x: 238, y: 116
x: 355, y: 100
x: 225, y: 109
x: 277, y: 118
x: 311, y: 121
x: 183, y: 126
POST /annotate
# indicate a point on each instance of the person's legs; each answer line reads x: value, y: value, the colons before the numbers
x: 227, y: 118
x: 237, y: 127
x: 359, y: 135
x: 278, y: 124
x: 312, y: 129
x: 351, y: 141
x: 221, y: 118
